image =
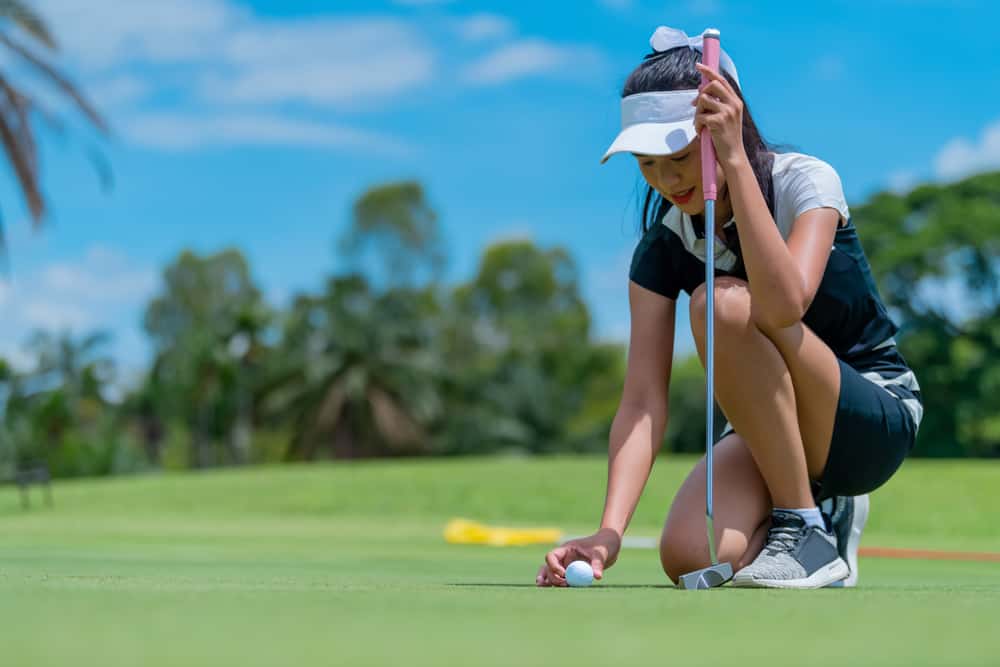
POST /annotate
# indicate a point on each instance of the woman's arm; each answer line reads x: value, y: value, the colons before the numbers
x: 783, y: 279
x: 636, y: 435
x: 639, y: 424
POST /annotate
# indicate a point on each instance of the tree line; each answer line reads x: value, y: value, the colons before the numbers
x: 386, y: 359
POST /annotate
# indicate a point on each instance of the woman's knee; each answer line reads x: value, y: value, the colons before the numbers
x: 683, y: 549
x: 732, y: 306
x: 742, y: 503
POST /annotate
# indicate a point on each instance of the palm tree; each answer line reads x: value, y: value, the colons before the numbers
x: 63, y: 395
x: 24, y: 34
x: 206, y: 327
x: 357, y: 373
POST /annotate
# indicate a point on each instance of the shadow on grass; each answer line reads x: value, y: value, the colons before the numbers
x: 598, y: 587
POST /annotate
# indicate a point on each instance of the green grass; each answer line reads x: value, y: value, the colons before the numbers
x: 344, y: 564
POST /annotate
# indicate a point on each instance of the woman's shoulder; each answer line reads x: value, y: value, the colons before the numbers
x: 788, y: 164
x: 794, y: 173
x: 803, y: 182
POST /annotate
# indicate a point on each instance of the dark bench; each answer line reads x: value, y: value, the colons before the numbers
x: 24, y: 478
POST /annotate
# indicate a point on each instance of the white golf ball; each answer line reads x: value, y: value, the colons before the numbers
x: 579, y: 573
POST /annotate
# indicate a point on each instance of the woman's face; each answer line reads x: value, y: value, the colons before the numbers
x: 678, y: 177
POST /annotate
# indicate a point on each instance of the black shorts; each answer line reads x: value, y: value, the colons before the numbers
x: 878, y: 413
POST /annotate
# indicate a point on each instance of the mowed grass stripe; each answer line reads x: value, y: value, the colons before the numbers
x: 344, y: 564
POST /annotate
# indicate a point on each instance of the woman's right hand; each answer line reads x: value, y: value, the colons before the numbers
x: 600, y: 550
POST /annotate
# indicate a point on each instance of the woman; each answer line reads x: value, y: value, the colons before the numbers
x: 822, y: 407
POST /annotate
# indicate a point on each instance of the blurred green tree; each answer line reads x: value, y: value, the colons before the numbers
x: 358, y: 366
x: 686, y: 424
x: 935, y: 253
x: 356, y: 373
x: 394, y: 225
x: 207, y: 327
x: 59, y: 413
x: 526, y: 374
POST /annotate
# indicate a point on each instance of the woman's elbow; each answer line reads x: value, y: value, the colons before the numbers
x: 779, y: 317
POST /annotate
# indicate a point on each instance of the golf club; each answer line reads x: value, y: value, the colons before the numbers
x: 717, y: 573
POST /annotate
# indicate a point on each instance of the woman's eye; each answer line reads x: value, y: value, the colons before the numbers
x: 647, y: 163
x: 679, y: 159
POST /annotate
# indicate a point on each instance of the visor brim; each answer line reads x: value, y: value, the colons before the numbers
x: 652, y: 139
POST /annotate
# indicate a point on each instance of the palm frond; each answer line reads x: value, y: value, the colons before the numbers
x: 329, y: 410
x: 28, y: 20
x: 60, y: 81
x: 21, y: 105
x: 102, y: 166
x: 22, y: 164
x: 391, y: 419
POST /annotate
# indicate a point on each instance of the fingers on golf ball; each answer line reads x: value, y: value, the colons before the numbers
x: 579, y: 573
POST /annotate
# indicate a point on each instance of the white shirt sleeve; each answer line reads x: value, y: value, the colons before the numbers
x: 809, y: 183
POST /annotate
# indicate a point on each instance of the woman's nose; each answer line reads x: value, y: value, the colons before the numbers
x: 669, y: 175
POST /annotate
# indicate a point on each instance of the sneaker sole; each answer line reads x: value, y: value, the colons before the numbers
x: 858, y: 521
x: 835, y: 571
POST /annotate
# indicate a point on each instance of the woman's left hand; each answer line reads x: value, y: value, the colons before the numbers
x: 720, y: 109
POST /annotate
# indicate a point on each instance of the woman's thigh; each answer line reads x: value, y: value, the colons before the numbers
x: 742, y: 506
x: 812, y: 365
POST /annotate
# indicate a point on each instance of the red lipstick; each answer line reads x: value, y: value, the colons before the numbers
x: 682, y: 198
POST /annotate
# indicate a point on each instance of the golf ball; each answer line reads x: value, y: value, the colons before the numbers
x: 579, y: 573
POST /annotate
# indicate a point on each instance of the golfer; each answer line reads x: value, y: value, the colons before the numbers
x: 822, y: 408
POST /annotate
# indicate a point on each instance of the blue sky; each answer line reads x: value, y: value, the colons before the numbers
x: 256, y: 123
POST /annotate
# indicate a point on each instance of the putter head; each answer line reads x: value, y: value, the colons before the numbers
x: 707, y: 577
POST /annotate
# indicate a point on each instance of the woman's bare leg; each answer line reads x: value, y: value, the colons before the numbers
x: 778, y: 388
x: 742, y: 508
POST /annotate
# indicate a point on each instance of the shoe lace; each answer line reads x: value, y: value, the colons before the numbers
x: 783, y: 539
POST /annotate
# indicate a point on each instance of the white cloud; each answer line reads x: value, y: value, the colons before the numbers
x: 523, y: 58
x: 93, y: 291
x: 16, y: 356
x: 237, y: 56
x: 101, y: 33
x: 118, y: 91
x: 232, y: 76
x: 961, y: 157
x: 326, y: 63
x: 482, y: 27
x: 181, y: 132
x: 957, y: 159
x: 56, y: 316
x: 902, y: 181
x: 103, y: 275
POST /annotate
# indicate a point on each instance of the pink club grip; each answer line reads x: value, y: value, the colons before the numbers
x: 710, y: 58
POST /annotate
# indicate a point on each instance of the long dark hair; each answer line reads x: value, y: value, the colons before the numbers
x: 675, y: 70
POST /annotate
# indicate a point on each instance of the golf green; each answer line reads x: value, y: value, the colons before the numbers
x: 344, y: 564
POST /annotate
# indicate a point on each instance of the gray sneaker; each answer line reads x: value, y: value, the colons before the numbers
x: 795, y: 556
x: 847, y: 515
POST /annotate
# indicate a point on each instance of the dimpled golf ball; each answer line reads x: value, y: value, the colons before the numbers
x: 579, y: 573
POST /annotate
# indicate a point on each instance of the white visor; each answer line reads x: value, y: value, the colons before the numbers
x: 658, y: 123
x: 661, y: 123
